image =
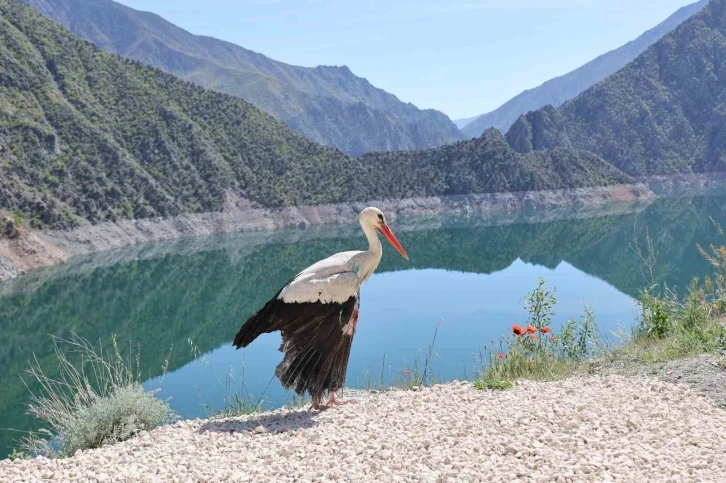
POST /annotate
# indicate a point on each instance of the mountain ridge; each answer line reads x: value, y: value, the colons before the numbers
x: 663, y: 113
x: 558, y: 90
x: 327, y: 104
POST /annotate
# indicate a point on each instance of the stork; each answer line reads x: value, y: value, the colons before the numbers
x: 317, y: 313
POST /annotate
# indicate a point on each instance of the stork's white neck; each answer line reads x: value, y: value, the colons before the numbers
x: 374, y: 243
x: 372, y: 256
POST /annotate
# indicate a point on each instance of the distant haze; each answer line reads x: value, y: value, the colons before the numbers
x: 462, y: 58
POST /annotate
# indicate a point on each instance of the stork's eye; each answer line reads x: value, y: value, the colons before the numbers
x: 380, y: 216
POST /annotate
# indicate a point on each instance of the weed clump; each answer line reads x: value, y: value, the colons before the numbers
x: 96, y: 401
x: 671, y: 325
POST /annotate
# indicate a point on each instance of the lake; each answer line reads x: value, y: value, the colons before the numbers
x: 183, y: 301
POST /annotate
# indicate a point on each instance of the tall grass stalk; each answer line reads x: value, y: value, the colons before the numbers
x: 237, y: 399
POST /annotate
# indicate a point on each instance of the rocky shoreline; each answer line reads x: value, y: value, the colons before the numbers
x: 30, y: 249
x: 610, y: 428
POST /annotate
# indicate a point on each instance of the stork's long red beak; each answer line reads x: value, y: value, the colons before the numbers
x: 393, y: 240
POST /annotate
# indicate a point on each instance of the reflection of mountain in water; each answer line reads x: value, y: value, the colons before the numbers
x: 204, y: 292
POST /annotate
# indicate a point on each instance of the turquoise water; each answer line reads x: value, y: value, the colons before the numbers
x: 183, y: 301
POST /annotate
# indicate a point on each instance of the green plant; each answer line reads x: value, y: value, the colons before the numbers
x: 579, y: 338
x: 535, y: 351
x: 98, y: 400
x: 717, y: 259
x: 502, y: 385
x: 541, y: 305
x: 17, y: 455
x: 36, y: 222
x: 17, y: 218
x: 128, y: 210
x: 656, y: 314
x: 694, y: 311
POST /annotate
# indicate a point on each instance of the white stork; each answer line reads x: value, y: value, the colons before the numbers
x: 317, y: 312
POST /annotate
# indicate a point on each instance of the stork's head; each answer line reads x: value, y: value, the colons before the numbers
x: 375, y: 218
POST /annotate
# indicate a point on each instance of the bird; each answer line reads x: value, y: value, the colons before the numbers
x: 317, y: 314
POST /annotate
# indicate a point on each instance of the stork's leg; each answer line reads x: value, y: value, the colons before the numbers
x: 316, y: 404
x: 333, y: 401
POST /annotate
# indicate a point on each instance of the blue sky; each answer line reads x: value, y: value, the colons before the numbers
x: 461, y: 57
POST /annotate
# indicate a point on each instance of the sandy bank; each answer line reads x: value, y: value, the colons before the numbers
x: 596, y: 429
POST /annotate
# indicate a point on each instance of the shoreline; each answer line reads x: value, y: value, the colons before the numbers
x: 30, y: 249
x: 577, y: 429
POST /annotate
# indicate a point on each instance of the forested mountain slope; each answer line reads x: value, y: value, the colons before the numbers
x: 87, y: 135
x: 328, y: 105
x: 663, y: 113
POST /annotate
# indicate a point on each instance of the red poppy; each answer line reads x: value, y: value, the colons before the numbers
x: 500, y: 356
x: 408, y: 373
x: 517, y: 330
x: 531, y: 329
x: 533, y: 337
x: 545, y: 330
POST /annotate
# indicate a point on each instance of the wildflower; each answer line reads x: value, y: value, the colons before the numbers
x: 533, y: 337
x: 714, y: 306
x: 408, y: 373
x: 517, y: 330
x: 545, y: 330
x: 553, y: 338
x: 531, y: 329
x: 500, y: 356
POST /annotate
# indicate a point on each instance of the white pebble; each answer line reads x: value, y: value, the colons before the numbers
x: 597, y: 429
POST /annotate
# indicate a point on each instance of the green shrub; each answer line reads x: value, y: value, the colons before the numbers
x: 656, y: 315
x: 18, y: 218
x: 88, y: 404
x: 579, y: 338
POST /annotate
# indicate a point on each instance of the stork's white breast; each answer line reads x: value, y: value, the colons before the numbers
x: 338, y: 287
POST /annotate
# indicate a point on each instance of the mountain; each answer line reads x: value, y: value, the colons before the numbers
x: 482, y: 165
x: 88, y: 135
x: 328, y: 105
x: 461, y: 123
x: 560, y: 89
x: 665, y: 112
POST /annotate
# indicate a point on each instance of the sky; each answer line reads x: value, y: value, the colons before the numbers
x: 464, y: 58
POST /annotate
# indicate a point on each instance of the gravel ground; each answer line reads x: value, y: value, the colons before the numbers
x: 705, y: 373
x: 595, y: 429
